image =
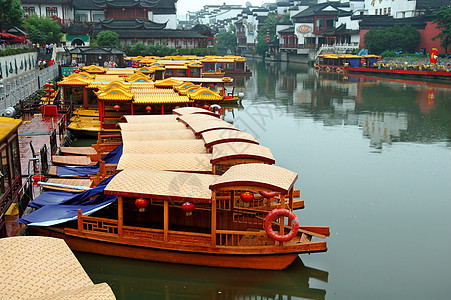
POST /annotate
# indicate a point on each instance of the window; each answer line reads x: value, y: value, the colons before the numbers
x: 51, y: 11
x: 15, y: 158
x: 29, y: 10
x: 4, y: 172
x: 389, y: 11
x: 319, y: 24
x: 81, y: 16
x: 97, y: 16
x: 385, y: 11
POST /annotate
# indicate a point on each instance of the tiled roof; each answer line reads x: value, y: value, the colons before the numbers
x: 126, y: 3
x: 129, y: 24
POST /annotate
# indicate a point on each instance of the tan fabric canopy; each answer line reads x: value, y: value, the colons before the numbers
x: 182, y: 134
x: 195, y: 118
x: 192, y: 110
x: 188, y: 162
x: 228, y: 151
x: 164, y: 146
x: 174, y: 186
x: 171, y: 125
x: 42, y: 267
x: 215, y: 137
x: 261, y: 175
x: 201, y: 126
x: 149, y: 118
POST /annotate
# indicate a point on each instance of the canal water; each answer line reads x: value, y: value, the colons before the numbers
x: 374, y: 162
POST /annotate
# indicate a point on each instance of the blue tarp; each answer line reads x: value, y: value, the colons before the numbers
x: 110, y: 158
x: 354, y: 62
x: 48, y: 198
x: 54, y: 212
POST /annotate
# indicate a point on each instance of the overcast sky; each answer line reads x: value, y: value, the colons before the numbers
x: 183, y: 6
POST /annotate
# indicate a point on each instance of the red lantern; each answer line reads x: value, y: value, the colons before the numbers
x: 47, y: 90
x: 51, y: 84
x: 47, y: 95
x: 188, y: 208
x: 52, y: 90
x: 192, y: 39
x: 47, y: 84
x: 135, y: 39
x: 116, y: 107
x: 177, y: 107
x: 123, y: 9
x: 145, y: 9
x: 206, y: 107
x: 152, y: 39
x: 148, y: 108
x: 247, y: 197
x: 169, y: 39
x: 141, y: 204
x: 183, y: 39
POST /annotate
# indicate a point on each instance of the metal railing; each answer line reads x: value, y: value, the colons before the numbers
x: 24, y: 85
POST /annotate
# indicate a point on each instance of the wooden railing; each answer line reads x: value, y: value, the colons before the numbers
x: 227, y: 238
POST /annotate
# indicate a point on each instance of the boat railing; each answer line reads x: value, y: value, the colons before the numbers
x: 228, y: 238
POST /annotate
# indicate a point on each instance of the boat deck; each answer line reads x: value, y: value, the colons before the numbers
x: 78, y: 151
x: 72, y: 160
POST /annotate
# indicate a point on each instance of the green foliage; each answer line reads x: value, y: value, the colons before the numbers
x: 227, y: 39
x: 11, y: 12
x: 42, y: 30
x: 404, y: 38
x: 443, y: 21
x: 107, y: 39
x: 285, y: 19
x: 8, y: 52
x: 270, y: 23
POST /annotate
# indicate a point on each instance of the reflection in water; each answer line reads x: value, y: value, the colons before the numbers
x: 135, y: 279
x: 387, y: 109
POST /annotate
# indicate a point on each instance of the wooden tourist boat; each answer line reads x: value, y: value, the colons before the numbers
x: 371, y: 64
x: 221, y: 231
x: 190, y: 216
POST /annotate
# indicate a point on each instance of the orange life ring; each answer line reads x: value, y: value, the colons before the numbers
x: 275, y: 214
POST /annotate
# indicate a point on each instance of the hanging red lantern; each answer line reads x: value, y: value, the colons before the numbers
x: 206, y: 107
x: 247, y: 197
x: 145, y: 9
x: 135, y: 39
x: 183, y: 39
x: 148, y: 108
x: 117, y: 107
x: 152, y: 39
x: 141, y: 204
x: 123, y: 9
x: 47, y: 84
x: 52, y: 90
x: 192, y: 39
x: 169, y: 39
x: 188, y: 208
x: 50, y: 84
x: 47, y: 95
x: 47, y: 90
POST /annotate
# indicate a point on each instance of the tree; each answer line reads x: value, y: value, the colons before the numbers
x: 228, y: 39
x: 42, y: 30
x: 443, y: 21
x: 11, y: 12
x: 404, y: 38
x: 107, y: 39
x: 262, y: 43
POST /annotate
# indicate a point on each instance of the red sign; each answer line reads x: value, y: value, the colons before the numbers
x: 434, y: 56
x: 304, y: 29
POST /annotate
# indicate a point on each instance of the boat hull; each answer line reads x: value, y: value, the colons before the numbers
x: 431, y: 74
x: 272, y: 261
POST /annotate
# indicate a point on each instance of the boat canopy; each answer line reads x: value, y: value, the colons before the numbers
x: 215, y: 137
x: 260, y: 175
x: 182, y: 134
x: 185, y: 162
x: 201, y: 126
x: 152, y: 126
x: 228, y: 151
x: 165, y: 146
x: 165, y: 185
x: 149, y: 118
x: 191, y: 110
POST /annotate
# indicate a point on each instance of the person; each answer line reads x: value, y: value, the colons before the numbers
x: 105, y: 63
x: 1, y: 82
x: 74, y: 62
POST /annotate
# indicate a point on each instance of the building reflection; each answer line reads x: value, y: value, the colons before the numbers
x: 134, y: 279
x: 387, y: 109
